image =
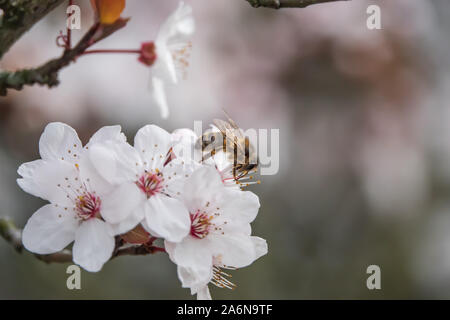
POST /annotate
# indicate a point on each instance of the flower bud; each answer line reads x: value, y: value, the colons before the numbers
x: 108, y: 11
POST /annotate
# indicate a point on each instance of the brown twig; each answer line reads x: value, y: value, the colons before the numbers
x: 13, y: 235
x: 278, y: 4
x: 47, y: 74
x: 19, y: 16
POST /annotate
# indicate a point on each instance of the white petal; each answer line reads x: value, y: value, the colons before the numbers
x: 153, y: 144
x: 175, y: 176
x: 136, y: 217
x: 202, y: 186
x: 223, y: 164
x: 92, y: 178
x: 121, y: 202
x: 94, y: 245
x: 174, y: 36
x: 194, y: 259
x: 185, y: 145
x: 49, y: 230
x: 108, y: 133
x: 194, y: 277
x: 240, y: 205
x: 178, y: 26
x: 167, y: 218
x: 159, y: 94
x: 234, y: 250
x: 59, y: 141
x: 260, y: 247
x: 116, y: 162
x: 51, y: 180
x: 28, y: 183
x: 203, y: 293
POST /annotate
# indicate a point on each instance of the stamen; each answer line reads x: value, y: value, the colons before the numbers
x: 200, y: 224
x: 219, y: 278
x: 181, y: 56
x: 150, y: 183
x: 87, y: 206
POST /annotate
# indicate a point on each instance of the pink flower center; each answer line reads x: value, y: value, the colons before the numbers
x: 150, y: 183
x: 200, y: 224
x: 147, y: 53
x: 87, y: 206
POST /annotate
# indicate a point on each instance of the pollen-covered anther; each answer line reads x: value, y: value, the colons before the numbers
x: 88, y: 206
x: 181, y: 58
x: 220, y: 280
x: 150, y: 183
x: 200, y: 224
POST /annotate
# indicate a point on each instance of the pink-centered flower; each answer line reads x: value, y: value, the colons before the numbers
x: 78, y: 197
x: 145, y: 174
x: 220, y: 234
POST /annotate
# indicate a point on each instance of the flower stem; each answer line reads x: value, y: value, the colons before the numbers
x: 112, y: 51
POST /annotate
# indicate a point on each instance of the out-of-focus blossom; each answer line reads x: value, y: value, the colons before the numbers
x: 173, y: 46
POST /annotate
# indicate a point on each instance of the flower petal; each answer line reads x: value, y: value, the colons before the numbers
x: 234, y: 250
x: 175, y: 176
x: 167, y: 218
x: 116, y: 162
x: 159, y: 94
x: 59, y: 141
x: 194, y: 277
x: 94, y: 245
x: 108, y: 133
x: 27, y: 183
x: 240, y: 205
x: 185, y: 145
x: 49, y: 230
x: 194, y: 259
x: 202, y: 186
x: 50, y: 180
x: 121, y: 202
x: 130, y: 223
x: 153, y: 144
x: 203, y: 293
x: 260, y: 247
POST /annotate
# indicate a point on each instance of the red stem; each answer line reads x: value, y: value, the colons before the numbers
x: 112, y: 51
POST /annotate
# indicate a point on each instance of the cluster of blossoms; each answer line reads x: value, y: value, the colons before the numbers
x: 103, y: 194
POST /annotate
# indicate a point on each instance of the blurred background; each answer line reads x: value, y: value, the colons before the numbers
x: 364, y: 119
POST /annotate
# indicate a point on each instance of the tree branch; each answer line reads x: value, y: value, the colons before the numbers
x: 278, y: 4
x: 19, y: 16
x: 47, y: 74
x: 13, y: 236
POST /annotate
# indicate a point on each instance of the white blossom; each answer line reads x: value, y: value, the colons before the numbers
x: 173, y: 46
x: 77, y: 195
x: 145, y: 173
x: 220, y: 233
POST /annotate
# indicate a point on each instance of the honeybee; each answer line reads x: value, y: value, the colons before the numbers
x: 231, y: 140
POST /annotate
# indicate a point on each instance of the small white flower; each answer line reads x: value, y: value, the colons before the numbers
x: 145, y: 172
x: 65, y: 178
x: 173, y: 47
x: 220, y: 233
